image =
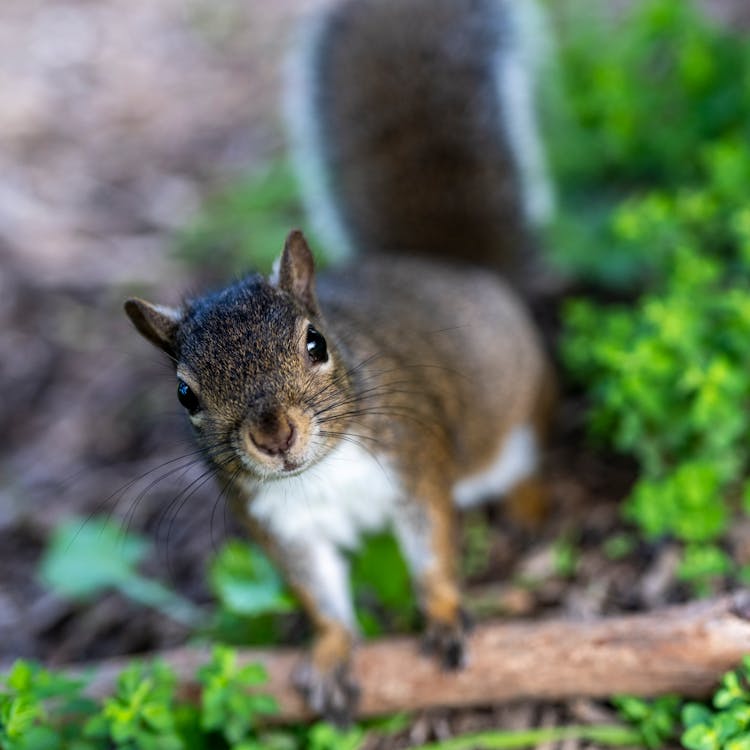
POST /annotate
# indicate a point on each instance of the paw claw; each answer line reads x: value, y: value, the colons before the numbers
x: 332, y: 694
x: 447, y: 642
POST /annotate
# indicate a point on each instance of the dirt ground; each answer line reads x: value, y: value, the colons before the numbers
x: 119, y: 117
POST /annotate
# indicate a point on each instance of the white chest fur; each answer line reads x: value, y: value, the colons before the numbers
x: 348, y: 493
x: 351, y: 492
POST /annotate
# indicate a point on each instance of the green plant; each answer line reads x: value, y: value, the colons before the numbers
x: 245, y: 581
x: 638, y: 90
x: 656, y: 720
x: 618, y: 546
x: 251, y: 597
x: 727, y: 727
x: 382, y: 586
x: 238, y: 229
x: 643, y: 85
x: 32, y: 703
x: 608, y: 736
x: 141, y: 713
x: 323, y: 736
x: 669, y: 376
x: 226, y: 704
x: 565, y: 553
x: 653, y: 723
x: 84, y: 558
x: 41, y: 710
x: 476, y: 543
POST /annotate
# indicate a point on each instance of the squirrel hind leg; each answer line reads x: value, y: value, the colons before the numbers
x: 426, y: 535
x: 528, y: 503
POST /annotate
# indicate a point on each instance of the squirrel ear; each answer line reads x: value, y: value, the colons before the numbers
x: 156, y: 323
x: 296, y: 271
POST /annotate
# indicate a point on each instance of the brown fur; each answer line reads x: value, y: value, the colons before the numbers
x: 452, y: 349
x: 430, y: 366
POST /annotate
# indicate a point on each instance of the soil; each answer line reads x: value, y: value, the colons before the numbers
x: 119, y: 118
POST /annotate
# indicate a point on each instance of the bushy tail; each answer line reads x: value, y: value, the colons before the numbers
x: 413, y: 126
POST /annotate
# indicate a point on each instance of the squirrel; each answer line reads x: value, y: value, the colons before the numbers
x: 408, y: 381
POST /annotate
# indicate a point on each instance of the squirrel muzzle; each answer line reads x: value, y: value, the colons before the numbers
x: 279, y: 440
x: 274, y: 434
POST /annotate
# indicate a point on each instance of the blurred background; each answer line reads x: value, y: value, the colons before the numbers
x: 141, y: 152
x: 120, y: 120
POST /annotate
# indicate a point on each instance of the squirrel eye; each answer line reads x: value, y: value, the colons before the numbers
x: 187, y: 398
x: 316, y: 346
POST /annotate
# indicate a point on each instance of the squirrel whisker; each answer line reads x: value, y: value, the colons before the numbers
x: 224, y: 493
x: 179, y: 500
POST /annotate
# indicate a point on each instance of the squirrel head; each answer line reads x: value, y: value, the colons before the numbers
x: 256, y: 369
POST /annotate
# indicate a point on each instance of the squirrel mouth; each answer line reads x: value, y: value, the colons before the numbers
x: 291, y: 465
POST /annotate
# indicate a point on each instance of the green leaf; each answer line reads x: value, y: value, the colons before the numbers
x: 381, y: 583
x: 39, y: 738
x: 731, y: 691
x: 227, y: 703
x: 83, y: 558
x: 158, y: 717
x: 324, y: 736
x: 244, y: 224
x: 655, y: 719
x: 696, y: 713
x: 245, y: 581
x: 701, y: 737
x: 19, y: 715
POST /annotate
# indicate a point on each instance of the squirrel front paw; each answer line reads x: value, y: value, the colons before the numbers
x: 332, y: 694
x: 447, y: 641
x: 325, y: 679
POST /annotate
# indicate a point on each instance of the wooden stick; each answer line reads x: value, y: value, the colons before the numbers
x: 682, y: 649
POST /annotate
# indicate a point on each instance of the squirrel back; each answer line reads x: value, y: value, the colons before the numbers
x: 413, y: 125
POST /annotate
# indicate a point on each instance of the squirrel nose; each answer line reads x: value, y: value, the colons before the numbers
x: 273, y: 435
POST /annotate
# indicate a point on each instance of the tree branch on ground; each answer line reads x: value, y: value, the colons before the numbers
x: 682, y: 649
